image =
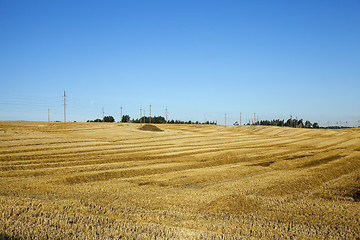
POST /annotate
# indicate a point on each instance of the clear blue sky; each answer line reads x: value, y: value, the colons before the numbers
x: 200, y: 59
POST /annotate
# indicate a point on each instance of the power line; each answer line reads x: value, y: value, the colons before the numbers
x: 25, y: 100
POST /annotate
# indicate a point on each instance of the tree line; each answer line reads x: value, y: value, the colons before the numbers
x: 105, y: 119
x: 294, y: 123
x: 155, y: 119
x: 162, y: 120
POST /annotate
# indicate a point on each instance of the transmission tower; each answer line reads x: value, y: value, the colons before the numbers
x: 150, y: 114
x: 121, y: 115
x: 140, y: 116
x: 166, y: 114
x: 64, y: 107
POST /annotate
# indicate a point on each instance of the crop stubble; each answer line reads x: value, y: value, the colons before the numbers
x: 106, y: 180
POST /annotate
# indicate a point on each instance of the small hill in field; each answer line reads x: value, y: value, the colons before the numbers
x: 149, y: 127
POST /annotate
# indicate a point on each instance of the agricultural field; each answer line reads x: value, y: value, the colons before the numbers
x: 112, y: 180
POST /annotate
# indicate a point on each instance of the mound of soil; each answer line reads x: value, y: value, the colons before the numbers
x: 149, y: 127
x: 263, y: 164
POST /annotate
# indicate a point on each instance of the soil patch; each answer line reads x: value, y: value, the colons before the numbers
x: 263, y: 164
x: 150, y: 127
x: 355, y: 194
x: 299, y: 156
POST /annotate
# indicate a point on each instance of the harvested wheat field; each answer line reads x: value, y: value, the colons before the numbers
x: 111, y: 181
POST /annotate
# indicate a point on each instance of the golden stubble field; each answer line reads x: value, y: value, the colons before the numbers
x: 111, y: 181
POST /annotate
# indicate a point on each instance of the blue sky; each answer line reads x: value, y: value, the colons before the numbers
x: 200, y: 59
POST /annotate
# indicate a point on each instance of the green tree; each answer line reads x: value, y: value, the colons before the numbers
x: 125, y: 118
x: 308, y: 124
x: 108, y: 119
x: 300, y: 123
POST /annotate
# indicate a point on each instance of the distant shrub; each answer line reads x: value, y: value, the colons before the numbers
x: 108, y: 119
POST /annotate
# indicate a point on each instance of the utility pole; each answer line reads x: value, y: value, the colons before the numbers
x: 64, y: 107
x: 166, y: 114
x: 240, y: 119
x: 48, y: 114
x: 140, y: 116
x: 225, y: 119
x: 144, y: 117
x: 150, y: 114
x: 254, y: 118
x: 102, y: 113
x: 121, y: 115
